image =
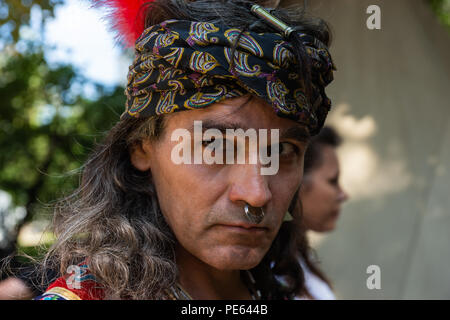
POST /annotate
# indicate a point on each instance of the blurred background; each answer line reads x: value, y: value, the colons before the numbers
x: 62, y: 78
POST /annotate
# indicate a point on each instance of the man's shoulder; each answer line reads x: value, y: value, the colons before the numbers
x: 78, y: 284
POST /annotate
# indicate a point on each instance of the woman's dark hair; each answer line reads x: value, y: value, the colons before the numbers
x: 313, y: 155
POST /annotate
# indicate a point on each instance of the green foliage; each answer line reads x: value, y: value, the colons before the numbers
x: 442, y: 10
x: 16, y: 13
x: 47, y: 128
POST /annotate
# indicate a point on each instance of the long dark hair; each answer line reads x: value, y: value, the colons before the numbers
x: 114, y: 222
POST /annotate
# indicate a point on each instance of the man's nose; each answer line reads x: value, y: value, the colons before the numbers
x: 249, y: 185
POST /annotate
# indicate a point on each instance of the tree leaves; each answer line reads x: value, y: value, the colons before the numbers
x: 47, y: 129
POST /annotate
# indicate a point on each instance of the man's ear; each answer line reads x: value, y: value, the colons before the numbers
x: 140, y: 155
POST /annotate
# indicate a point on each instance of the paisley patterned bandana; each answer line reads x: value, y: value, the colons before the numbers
x: 185, y: 65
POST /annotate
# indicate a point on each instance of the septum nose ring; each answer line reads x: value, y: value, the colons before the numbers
x: 253, y: 214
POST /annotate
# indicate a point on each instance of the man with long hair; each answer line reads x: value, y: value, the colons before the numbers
x: 149, y: 223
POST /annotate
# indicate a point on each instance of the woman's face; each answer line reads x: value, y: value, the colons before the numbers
x: 321, y: 194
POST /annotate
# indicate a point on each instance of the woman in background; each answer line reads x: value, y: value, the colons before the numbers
x: 320, y: 199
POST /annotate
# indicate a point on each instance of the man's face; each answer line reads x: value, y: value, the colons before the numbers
x: 204, y: 203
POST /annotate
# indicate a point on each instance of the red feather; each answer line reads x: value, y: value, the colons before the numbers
x: 127, y: 18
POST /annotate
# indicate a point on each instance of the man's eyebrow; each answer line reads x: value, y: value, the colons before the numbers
x: 221, y: 126
x: 298, y: 132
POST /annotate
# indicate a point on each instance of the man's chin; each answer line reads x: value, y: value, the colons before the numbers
x: 237, y: 258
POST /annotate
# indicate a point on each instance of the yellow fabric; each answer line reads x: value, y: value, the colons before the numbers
x: 63, y: 292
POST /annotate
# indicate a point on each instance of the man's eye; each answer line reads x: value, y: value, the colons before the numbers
x: 286, y: 149
x: 217, y: 143
x: 206, y: 143
x: 212, y: 143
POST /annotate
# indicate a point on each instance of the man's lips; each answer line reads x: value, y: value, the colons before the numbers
x: 243, y: 227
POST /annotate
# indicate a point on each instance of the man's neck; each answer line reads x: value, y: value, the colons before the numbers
x: 203, y: 282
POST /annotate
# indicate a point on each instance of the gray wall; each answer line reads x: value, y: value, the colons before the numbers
x: 391, y: 105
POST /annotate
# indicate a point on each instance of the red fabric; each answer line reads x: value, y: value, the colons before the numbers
x: 90, y: 289
x: 127, y: 17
